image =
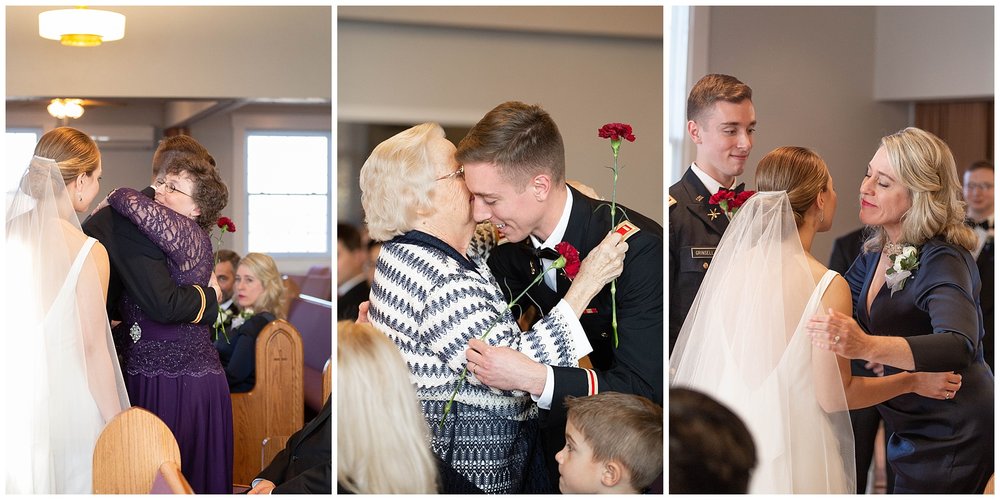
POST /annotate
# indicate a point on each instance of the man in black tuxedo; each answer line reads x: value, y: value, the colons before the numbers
x: 304, y: 465
x: 721, y: 122
x: 352, y: 283
x: 518, y: 183
x: 977, y: 187
x: 139, y: 267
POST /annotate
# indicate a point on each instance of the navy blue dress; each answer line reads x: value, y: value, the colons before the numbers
x: 938, y: 446
x: 238, y: 355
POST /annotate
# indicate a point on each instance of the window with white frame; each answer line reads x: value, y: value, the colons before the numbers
x: 19, y: 145
x: 288, y: 192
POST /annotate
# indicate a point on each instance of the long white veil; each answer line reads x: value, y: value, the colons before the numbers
x: 61, y: 376
x: 743, y: 343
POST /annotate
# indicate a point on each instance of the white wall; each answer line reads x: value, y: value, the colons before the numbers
x: 411, y: 73
x: 179, y: 51
x: 933, y: 52
x: 812, y: 70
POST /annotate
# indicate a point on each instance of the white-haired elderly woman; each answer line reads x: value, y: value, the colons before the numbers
x: 916, y: 304
x: 430, y: 297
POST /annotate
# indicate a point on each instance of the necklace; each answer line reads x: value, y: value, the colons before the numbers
x: 891, y: 248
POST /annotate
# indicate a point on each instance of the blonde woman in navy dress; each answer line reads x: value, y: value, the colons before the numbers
x: 929, y: 321
x: 430, y: 297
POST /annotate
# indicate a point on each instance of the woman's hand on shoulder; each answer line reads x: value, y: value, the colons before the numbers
x: 838, y: 332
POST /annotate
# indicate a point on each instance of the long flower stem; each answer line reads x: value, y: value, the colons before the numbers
x: 614, y: 282
x: 465, y: 371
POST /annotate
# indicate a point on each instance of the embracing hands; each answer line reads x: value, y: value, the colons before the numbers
x: 839, y: 333
x: 937, y: 385
x: 504, y: 368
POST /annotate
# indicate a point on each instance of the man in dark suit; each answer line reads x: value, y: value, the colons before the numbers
x: 352, y: 283
x: 139, y: 267
x: 977, y: 187
x: 304, y: 465
x: 721, y: 122
x: 226, y: 264
x: 518, y: 183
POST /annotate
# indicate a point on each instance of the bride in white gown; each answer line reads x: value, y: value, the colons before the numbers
x: 61, y: 376
x: 744, y: 341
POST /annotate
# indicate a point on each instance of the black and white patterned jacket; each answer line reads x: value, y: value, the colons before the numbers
x: 430, y: 301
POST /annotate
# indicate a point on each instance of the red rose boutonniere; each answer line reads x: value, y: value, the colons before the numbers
x: 225, y: 225
x: 568, y: 261
x: 730, y: 201
x: 616, y: 132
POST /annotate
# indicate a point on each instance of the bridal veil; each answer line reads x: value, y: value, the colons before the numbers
x: 744, y: 343
x: 61, y: 375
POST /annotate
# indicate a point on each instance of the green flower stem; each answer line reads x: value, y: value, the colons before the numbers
x: 614, y: 191
x: 556, y: 264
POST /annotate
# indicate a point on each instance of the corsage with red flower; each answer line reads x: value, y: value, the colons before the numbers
x: 568, y: 261
x: 730, y: 201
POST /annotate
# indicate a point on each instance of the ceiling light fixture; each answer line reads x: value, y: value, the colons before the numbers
x: 62, y: 108
x: 81, y: 27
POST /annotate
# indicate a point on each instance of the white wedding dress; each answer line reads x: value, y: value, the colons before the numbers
x: 744, y: 343
x: 61, y: 376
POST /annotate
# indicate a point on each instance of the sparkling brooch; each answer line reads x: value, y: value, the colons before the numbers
x: 135, y: 332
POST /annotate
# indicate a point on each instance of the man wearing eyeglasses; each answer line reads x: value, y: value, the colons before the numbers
x: 978, y: 190
x: 140, y: 267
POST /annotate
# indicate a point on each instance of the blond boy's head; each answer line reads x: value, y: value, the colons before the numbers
x: 614, y: 444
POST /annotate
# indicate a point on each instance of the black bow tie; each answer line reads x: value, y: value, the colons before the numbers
x: 545, y: 253
x: 984, y: 224
x: 738, y: 189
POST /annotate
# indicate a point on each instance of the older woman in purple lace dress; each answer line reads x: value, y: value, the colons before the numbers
x: 173, y: 370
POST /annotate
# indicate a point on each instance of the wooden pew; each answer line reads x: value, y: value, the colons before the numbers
x: 132, y: 450
x: 327, y: 380
x: 312, y: 318
x: 170, y: 480
x: 274, y: 407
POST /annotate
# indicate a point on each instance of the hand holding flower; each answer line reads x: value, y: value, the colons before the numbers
x: 603, y: 264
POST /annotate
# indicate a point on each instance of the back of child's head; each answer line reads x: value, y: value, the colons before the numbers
x: 711, y: 449
x: 622, y: 427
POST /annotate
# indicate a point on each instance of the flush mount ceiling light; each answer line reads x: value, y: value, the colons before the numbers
x: 81, y: 27
x: 62, y: 108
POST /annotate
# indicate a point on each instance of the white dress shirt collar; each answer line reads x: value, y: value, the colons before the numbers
x: 711, y: 184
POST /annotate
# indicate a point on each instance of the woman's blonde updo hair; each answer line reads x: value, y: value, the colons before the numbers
x: 397, y: 181
x: 73, y: 151
x: 272, y: 298
x: 924, y: 164
x: 798, y: 171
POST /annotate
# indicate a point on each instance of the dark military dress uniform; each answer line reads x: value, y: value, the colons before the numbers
x: 636, y: 365
x: 695, y: 228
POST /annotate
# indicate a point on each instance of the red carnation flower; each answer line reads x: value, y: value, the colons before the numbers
x: 616, y: 132
x: 572, y: 257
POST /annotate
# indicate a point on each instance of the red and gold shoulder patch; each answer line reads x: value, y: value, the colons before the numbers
x: 626, y: 229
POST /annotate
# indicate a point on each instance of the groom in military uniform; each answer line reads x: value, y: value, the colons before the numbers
x: 721, y: 122
x: 515, y: 168
x: 140, y: 267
